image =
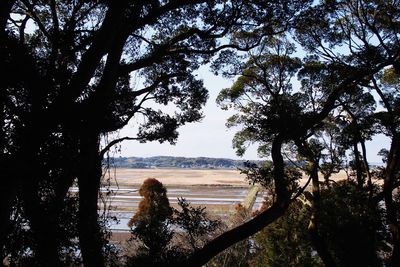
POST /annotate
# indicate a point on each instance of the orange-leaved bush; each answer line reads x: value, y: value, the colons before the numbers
x: 150, y: 224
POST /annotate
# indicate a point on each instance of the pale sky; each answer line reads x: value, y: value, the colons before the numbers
x: 210, y: 137
x: 207, y: 138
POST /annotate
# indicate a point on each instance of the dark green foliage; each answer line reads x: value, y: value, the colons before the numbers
x: 195, y: 223
x: 22, y: 239
x: 353, y: 226
x: 76, y: 71
x: 286, y: 241
x: 177, y: 162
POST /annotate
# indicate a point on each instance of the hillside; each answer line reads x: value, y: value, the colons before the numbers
x: 176, y: 162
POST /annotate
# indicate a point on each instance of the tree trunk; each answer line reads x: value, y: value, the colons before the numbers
x: 43, y: 222
x: 358, y: 165
x: 391, y: 211
x: 42, y: 219
x: 5, y: 8
x: 43, y: 225
x: 320, y: 245
x: 367, y: 170
x: 317, y: 241
x: 8, y: 192
x: 90, y: 237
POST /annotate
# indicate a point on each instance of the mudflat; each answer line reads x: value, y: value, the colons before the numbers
x: 125, y: 176
x: 190, y: 177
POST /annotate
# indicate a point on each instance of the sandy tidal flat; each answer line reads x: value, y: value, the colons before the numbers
x: 126, y: 176
x: 189, y: 177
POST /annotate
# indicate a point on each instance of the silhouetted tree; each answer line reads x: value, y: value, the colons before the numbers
x: 68, y: 80
x: 333, y: 83
x: 195, y: 223
x: 240, y: 253
x: 69, y: 69
x: 286, y: 241
x: 352, y: 226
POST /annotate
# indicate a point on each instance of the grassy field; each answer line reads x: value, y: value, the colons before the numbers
x: 125, y: 177
x: 179, y: 177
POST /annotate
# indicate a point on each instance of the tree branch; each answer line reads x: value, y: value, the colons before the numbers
x: 225, y: 240
x: 32, y: 13
x: 114, y: 142
x: 5, y: 10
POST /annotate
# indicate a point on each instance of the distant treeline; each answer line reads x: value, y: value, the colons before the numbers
x: 177, y: 162
x: 189, y: 163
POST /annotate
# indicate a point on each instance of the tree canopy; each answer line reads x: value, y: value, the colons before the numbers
x: 341, y: 100
x: 309, y: 88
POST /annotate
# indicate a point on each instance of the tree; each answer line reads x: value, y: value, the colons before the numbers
x: 285, y: 242
x: 71, y: 79
x: 353, y: 228
x: 355, y: 31
x: 238, y: 254
x: 67, y: 84
x: 151, y: 223
x: 333, y: 81
x: 68, y: 68
x: 195, y: 223
x: 155, y: 224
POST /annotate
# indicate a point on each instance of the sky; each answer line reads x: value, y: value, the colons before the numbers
x: 207, y: 138
x: 210, y: 137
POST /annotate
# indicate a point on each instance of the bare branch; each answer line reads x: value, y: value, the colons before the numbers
x: 30, y: 10
x: 301, y: 189
x: 114, y: 142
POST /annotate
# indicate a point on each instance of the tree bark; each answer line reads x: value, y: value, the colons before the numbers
x: 8, y: 189
x: 90, y: 237
x: 7, y: 196
x: 5, y: 9
x: 42, y: 221
x: 317, y: 241
x: 43, y: 225
x: 358, y: 164
x: 367, y: 170
x: 320, y: 245
x: 391, y: 211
